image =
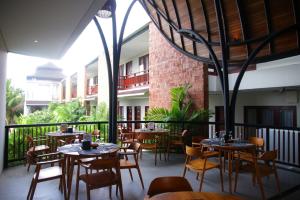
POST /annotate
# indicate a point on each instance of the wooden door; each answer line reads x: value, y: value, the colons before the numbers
x: 137, y: 116
x: 129, y: 117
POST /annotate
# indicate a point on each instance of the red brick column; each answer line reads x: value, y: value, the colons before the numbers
x: 169, y: 68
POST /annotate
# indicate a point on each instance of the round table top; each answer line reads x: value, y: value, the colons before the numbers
x: 194, y: 195
x: 76, y: 150
x: 235, y: 145
x: 60, y: 134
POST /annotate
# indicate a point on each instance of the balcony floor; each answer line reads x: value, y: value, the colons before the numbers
x: 15, y: 181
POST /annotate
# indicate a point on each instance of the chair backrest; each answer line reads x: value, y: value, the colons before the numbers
x: 269, y: 155
x: 105, y: 163
x: 30, y: 141
x: 193, y: 151
x: 96, y: 133
x: 135, y: 146
x: 259, y: 142
x: 146, y: 136
x: 168, y: 184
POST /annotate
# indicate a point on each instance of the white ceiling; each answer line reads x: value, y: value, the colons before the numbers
x: 55, y: 24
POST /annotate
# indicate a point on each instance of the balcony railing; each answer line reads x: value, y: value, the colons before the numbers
x: 134, y: 80
x: 92, y: 90
x: 285, y: 140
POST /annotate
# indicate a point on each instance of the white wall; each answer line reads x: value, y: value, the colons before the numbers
x: 258, y: 98
x: 133, y: 102
x: 279, y: 73
x: 103, y: 86
x: 3, y: 59
x: 135, y: 62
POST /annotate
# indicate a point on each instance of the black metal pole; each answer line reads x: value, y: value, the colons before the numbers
x: 109, y: 71
x: 222, y: 34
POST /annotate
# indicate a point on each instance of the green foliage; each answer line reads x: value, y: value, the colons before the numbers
x: 14, y: 103
x: 100, y: 113
x: 181, y: 108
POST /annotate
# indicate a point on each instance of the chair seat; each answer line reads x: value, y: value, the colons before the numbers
x: 49, y: 173
x: 198, y: 164
x: 126, y: 164
x: 106, y: 177
x: 39, y: 148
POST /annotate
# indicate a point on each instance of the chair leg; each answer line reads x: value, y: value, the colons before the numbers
x: 110, y: 188
x: 30, y: 189
x: 64, y: 186
x: 130, y: 174
x: 257, y: 175
x: 277, y: 180
x: 88, y: 195
x: 121, y: 189
x: 201, y: 182
x: 155, y: 156
x: 60, y: 186
x: 221, y: 177
x: 184, y: 171
x: 33, y: 189
x: 140, y: 175
x: 77, y: 182
x: 28, y: 167
x: 236, y: 173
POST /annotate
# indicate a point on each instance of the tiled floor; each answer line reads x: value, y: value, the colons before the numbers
x: 15, y: 181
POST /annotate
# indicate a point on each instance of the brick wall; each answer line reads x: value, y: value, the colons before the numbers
x: 169, y: 68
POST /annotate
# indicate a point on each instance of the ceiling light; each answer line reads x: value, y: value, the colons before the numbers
x: 35, y: 41
x: 106, y: 10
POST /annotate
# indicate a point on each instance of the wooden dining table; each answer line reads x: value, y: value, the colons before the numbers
x: 58, y: 135
x: 73, y: 152
x: 229, y: 149
x: 187, y: 195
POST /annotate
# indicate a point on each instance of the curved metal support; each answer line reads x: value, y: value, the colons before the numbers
x: 108, y: 62
x: 210, y: 50
x: 248, y: 61
x: 123, y: 28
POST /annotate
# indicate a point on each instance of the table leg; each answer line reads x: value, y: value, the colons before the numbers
x: 230, y: 170
x: 70, y: 168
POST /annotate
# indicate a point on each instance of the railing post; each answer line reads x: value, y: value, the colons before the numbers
x: 6, y: 147
x: 268, y: 139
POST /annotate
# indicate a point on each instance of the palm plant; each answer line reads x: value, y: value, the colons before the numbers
x: 181, y: 108
x: 14, y: 102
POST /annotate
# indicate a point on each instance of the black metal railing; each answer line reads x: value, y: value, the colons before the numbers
x: 284, y: 139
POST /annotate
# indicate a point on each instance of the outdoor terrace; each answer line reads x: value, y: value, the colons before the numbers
x: 289, y: 173
x: 18, y: 179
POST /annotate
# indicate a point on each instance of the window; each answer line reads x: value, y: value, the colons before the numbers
x: 144, y: 61
x: 280, y: 116
x: 129, y: 68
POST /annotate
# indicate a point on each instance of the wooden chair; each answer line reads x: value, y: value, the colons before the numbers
x: 197, y: 161
x: 126, y: 137
x: 96, y: 133
x: 168, y: 184
x: 34, y: 149
x: 260, y: 166
x: 176, y: 141
x: 148, y: 141
x: 49, y: 173
x: 133, y: 150
x: 247, y: 156
x: 107, y: 174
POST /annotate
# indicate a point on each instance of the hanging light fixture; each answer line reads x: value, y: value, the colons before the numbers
x: 107, y: 9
